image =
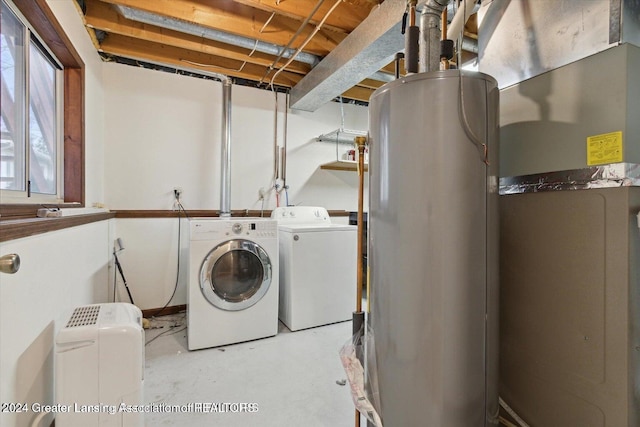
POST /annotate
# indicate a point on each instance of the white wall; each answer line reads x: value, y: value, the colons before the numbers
x: 67, y: 14
x: 60, y: 270
x: 164, y: 131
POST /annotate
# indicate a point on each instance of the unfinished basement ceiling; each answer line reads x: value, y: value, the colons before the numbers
x: 251, y: 40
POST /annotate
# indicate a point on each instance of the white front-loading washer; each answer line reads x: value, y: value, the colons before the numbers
x: 318, y: 264
x: 232, y: 280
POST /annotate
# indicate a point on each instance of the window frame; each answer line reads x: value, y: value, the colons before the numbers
x: 45, y: 24
x: 32, y: 47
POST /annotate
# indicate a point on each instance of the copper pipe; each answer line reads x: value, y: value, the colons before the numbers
x: 360, y: 142
x: 444, y: 62
x: 444, y: 24
x: 412, y: 12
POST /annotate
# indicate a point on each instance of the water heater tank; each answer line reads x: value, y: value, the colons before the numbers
x: 433, y: 253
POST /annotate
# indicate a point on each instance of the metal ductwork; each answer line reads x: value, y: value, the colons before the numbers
x: 361, y: 55
x: 430, y: 31
x: 368, y: 48
x: 372, y: 45
x: 225, y: 165
x: 227, y: 38
x: 211, y: 34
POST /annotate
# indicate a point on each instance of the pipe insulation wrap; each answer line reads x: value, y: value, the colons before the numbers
x: 411, y: 49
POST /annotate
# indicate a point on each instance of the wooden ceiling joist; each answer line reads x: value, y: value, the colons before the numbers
x: 238, y: 19
x: 344, y: 19
x: 102, y: 16
x: 183, y: 58
x: 359, y: 93
x: 242, y: 38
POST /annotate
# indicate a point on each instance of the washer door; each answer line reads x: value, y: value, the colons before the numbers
x: 235, y: 275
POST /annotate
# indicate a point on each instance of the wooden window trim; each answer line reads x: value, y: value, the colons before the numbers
x: 49, y: 29
x: 16, y: 229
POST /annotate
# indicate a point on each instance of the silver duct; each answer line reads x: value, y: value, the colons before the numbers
x: 228, y: 38
x: 225, y: 165
x: 211, y: 34
x: 429, y: 55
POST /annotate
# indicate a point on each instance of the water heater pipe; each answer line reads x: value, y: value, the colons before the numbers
x: 396, y: 61
x: 444, y: 61
x: 283, y: 174
x: 275, y: 139
x: 444, y: 23
x: 225, y: 181
x: 411, y: 40
x: 358, y: 315
x: 360, y: 142
x: 430, y: 32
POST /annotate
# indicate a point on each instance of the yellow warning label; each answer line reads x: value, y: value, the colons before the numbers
x: 605, y: 148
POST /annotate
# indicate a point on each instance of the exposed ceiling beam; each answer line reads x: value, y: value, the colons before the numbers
x: 237, y: 19
x: 102, y: 16
x: 164, y: 55
x: 366, y: 49
x: 345, y: 18
x: 359, y: 93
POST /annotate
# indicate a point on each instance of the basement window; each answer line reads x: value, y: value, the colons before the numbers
x: 31, y: 96
x: 42, y: 127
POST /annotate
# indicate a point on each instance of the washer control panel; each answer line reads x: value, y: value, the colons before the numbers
x: 301, y: 215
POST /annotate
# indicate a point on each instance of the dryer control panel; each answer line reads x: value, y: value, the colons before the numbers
x: 215, y: 228
x: 256, y: 229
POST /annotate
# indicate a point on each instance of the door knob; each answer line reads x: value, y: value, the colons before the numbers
x: 10, y: 263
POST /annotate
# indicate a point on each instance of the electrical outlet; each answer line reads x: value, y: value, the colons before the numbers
x: 177, y: 193
x: 261, y: 193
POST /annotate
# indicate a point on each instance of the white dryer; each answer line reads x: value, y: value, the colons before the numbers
x: 317, y: 267
x: 232, y: 280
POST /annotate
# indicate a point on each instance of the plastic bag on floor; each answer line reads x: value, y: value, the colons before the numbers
x: 365, y: 394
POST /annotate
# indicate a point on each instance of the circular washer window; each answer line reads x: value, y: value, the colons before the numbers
x: 235, y: 275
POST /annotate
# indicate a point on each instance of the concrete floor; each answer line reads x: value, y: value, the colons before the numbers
x: 291, y: 378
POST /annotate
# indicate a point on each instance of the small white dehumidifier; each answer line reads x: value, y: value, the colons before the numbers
x: 99, y: 367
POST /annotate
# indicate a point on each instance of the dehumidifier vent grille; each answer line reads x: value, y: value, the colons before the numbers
x: 83, y: 316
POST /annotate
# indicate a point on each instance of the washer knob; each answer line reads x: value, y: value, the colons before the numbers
x: 237, y: 228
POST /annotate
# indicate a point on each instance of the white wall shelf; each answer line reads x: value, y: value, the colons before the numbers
x: 342, y: 136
